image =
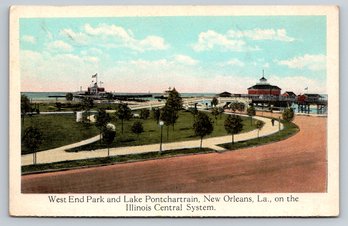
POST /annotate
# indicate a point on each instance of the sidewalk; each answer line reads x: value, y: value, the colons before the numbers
x: 59, y: 154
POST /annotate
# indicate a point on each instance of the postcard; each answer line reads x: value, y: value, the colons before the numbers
x: 174, y: 111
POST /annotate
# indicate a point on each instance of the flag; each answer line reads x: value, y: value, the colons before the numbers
x: 306, y: 88
x: 93, y: 76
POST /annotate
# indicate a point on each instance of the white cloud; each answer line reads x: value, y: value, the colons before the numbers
x: 183, y: 59
x: 311, y: 62
x: 265, y: 65
x: 112, y: 36
x: 149, y: 43
x: 40, y: 73
x: 107, y: 30
x: 49, y: 35
x: 27, y: 56
x: 158, y: 75
x: 235, y: 40
x: 60, y: 46
x: 147, y: 63
x: 92, y: 52
x: 44, y: 71
x: 261, y: 34
x: 235, y: 62
x: 297, y: 83
x: 91, y: 59
x: 29, y: 39
x: 211, y: 39
x: 130, y: 76
x: 177, y: 61
x: 163, y: 74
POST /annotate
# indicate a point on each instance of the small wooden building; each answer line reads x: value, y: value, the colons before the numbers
x: 289, y: 94
x: 225, y: 94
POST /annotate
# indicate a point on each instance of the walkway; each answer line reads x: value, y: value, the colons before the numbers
x: 296, y: 164
x: 59, y: 154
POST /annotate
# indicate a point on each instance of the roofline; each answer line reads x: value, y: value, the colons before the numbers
x: 273, y: 87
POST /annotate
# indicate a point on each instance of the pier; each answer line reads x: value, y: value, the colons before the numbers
x: 303, y: 102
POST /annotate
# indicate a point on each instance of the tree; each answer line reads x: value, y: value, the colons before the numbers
x: 233, y: 125
x: 123, y: 112
x: 87, y: 104
x: 109, y: 97
x: 69, y: 96
x: 174, y: 101
x: 288, y: 114
x: 259, y: 125
x: 215, y: 112
x: 109, y: 134
x: 144, y: 113
x: 234, y: 106
x: 214, y: 101
x: 169, y: 117
x: 101, y: 120
x: 137, y: 128
x: 174, y: 105
x: 194, y: 111
x: 241, y: 107
x: 59, y: 106
x: 202, y: 126
x: 251, y: 112
x: 156, y: 114
x: 221, y: 111
x: 25, y: 107
x: 32, y: 139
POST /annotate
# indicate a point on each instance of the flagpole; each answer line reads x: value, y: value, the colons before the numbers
x: 96, y: 78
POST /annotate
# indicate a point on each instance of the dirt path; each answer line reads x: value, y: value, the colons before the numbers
x: 297, y: 164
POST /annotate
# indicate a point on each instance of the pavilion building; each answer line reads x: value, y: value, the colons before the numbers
x: 264, y: 88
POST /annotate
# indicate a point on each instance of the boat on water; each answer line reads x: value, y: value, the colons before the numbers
x: 97, y: 92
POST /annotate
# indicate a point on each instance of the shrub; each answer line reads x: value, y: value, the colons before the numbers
x: 137, y: 128
x: 288, y: 114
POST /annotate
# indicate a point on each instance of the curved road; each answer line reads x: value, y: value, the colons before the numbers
x: 297, y: 164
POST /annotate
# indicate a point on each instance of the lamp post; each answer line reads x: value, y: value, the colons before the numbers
x: 161, y: 123
x: 279, y: 124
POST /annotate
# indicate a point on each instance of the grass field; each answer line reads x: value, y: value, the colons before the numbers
x: 72, y: 106
x: 151, y: 135
x: 58, y: 130
x: 53, y: 124
x: 111, y: 160
x: 289, y: 130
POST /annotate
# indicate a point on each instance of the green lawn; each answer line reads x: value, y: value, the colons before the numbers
x: 182, y: 131
x: 73, y: 106
x: 58, y: 130
x: 289, y: 130
x: 112, y: 160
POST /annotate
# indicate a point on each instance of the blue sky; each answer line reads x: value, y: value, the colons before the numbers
x: 194, y: 54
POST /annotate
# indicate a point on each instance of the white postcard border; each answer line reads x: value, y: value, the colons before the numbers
x: 310, y: 204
